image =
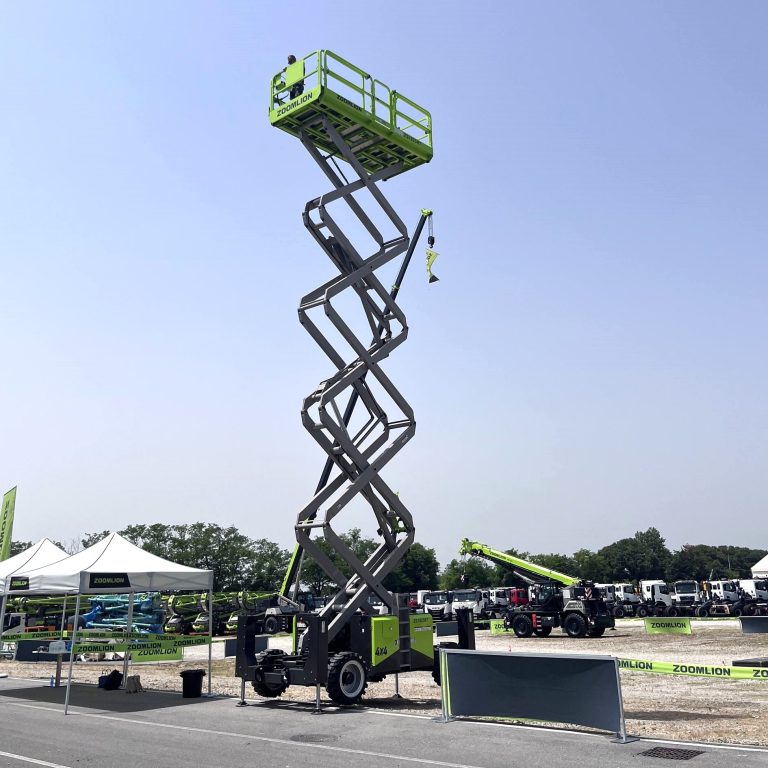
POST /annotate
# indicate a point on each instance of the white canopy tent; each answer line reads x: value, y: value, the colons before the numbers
x: 760, y: 569
x: 45, y: 552
x: 38, y: 555
x: 113, y: 565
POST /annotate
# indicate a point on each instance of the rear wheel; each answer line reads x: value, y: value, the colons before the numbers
x: 263, y: 688
x: 750, y: 609
x: 542, y: 631
x: 522, y: 625
x: 701, y: 611
x: 618, y: 612
x: 672, y: 611
x: 575, y: 625
x: 642, y: 611
x: 271, y: 625
x: 347, y: 678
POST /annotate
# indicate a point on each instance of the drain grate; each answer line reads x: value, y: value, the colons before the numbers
x: 313, y: 738
x: 672, y: 753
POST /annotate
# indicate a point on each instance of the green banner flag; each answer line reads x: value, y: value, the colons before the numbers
x: 6, y: 523
x: 667, y: 626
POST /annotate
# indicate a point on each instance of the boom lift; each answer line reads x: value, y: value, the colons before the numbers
x: 338, y: 111
x: 556, y: 599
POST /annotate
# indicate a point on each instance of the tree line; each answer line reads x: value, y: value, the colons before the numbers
x: 239, y: 562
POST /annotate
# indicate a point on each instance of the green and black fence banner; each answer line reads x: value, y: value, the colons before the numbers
x: 576, y: 689
x: 693, y: 670
x: 108, y: 581
x: 754, y: 625
x: 667, y: 625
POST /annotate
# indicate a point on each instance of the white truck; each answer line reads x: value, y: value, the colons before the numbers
x: 686, y: 594
x: 655, y: 599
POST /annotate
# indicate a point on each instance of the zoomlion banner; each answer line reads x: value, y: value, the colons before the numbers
x: 6, y: 523
x: 694, y: 670
x: 667, y: 626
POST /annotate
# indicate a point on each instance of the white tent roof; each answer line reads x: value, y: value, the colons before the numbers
x: 38, y: 555
x: 760, y: 569
x: 114, y: 564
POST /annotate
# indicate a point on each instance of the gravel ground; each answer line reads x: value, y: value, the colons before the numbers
x: 711, y: 710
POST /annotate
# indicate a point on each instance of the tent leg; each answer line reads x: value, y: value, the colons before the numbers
x: 210, y: 637
x: 64, y: 617
x: 72, y: 653
x: 129, y: 625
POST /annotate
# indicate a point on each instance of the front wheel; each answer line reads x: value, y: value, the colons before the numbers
x: 642, y: 612
x: 522, y: 625
x: 347, y: 678
x: 575, y: 625
x: 618, y: 612
x: 672, y: 611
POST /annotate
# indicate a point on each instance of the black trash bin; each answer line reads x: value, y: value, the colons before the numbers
x: 192, y: 683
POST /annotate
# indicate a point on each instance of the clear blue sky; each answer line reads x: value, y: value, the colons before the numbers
x: 591, y: 363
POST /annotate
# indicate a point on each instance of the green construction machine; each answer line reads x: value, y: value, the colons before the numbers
x: 344, y: 117
x: 554, y: 599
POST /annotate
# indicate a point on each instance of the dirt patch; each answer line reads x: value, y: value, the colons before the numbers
x: 714, y: 710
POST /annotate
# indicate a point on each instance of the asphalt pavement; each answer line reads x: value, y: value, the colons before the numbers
x: 112, y: 728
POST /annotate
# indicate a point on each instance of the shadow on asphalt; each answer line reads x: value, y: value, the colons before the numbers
x: 92, y: 697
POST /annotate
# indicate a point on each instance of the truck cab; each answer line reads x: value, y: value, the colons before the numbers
x: 755, y: 589
x: 435, y: 604
x: 608, y: 591
x: 725, y: 591
x: 686, y: 593
x: 655, y: 594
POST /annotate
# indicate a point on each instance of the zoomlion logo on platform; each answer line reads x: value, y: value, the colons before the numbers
x: 291, y: 105
x: 21, y: 582
x: 108, y: 580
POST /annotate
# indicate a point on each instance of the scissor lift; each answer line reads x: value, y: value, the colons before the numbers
x: 339, y: 112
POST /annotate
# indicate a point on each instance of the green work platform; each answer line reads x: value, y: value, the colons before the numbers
x: 382, y: 127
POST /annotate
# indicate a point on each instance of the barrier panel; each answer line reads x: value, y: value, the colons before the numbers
x: 446, y: 628
x: 574, y: 689
x: 754, y: 625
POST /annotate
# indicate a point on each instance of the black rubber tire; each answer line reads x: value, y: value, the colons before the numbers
x: 642, y: 612
x: 737, y: 612
x: 269, y: 690
x: 618, y: 611
x: 701, y: 611
x: 347, y: 678
x: 596, y: 632
x: 271, y: 625
x: 575, y: 626
x: 542, y: 631
x: 522, y: 625
x: 750, y: 609
x: 672, y: 611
